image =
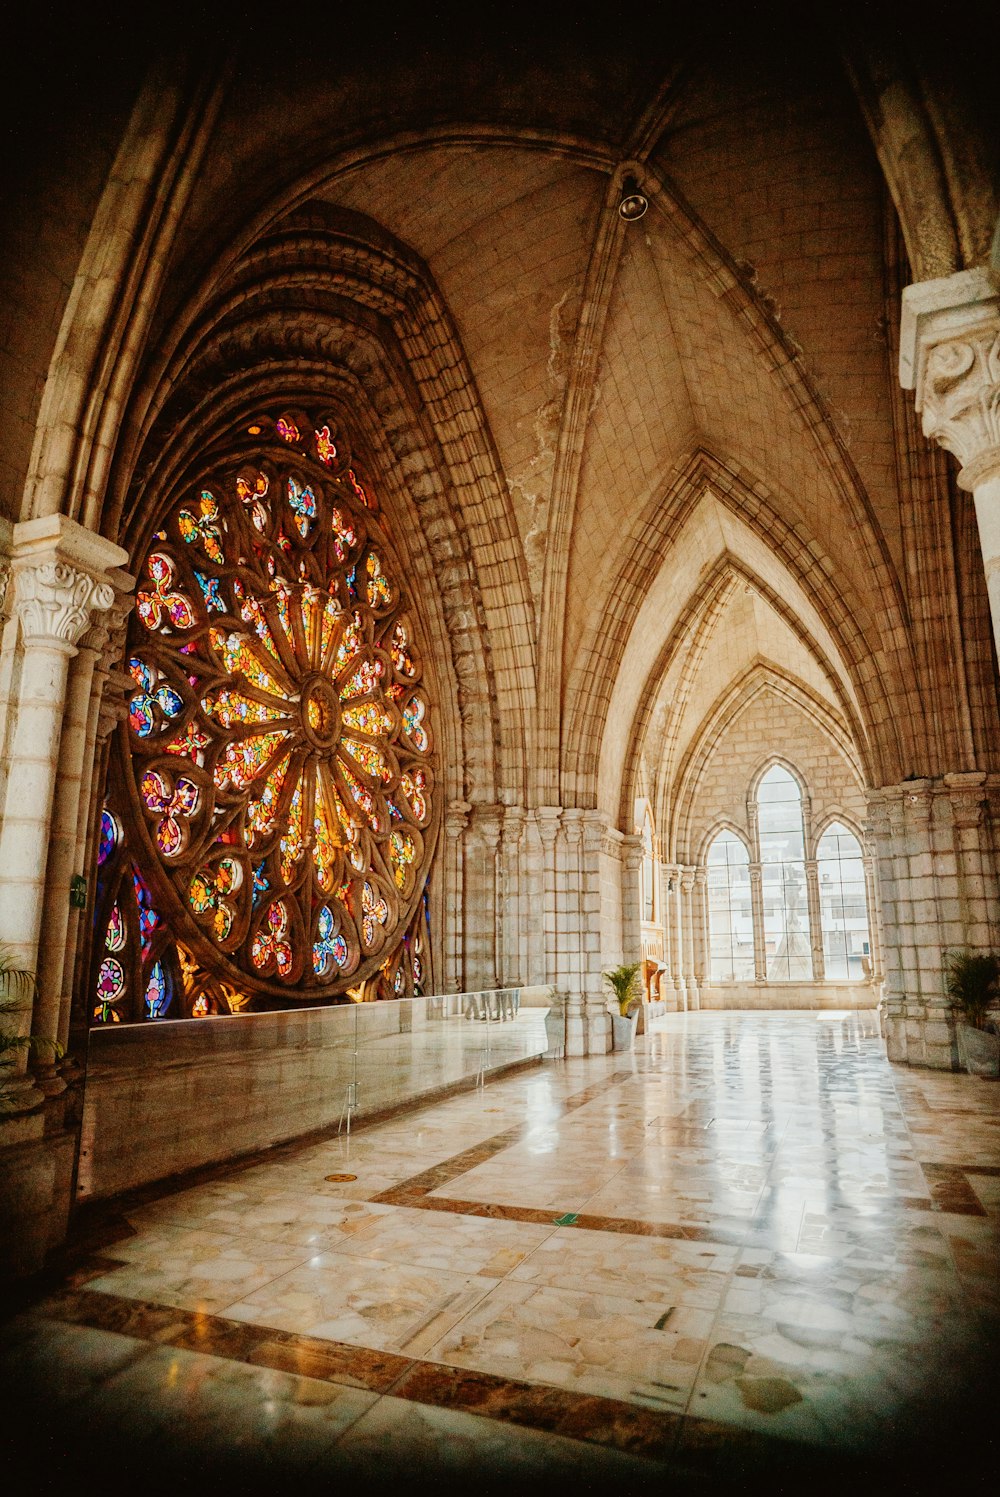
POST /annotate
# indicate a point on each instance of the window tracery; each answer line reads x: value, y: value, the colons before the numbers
x: 271, y: 807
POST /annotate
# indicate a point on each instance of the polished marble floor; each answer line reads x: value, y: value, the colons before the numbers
x: 748, y: 1249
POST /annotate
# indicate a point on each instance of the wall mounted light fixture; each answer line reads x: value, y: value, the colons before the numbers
x: 632, y: 204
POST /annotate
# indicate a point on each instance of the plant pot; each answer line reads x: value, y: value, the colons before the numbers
x: 623, y: 1030
x: 978, y: 1050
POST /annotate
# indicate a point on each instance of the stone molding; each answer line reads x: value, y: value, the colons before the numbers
x: 949, y: 355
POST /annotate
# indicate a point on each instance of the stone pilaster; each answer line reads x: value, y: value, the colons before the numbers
x: 699, y: 899
x: 60, y: 581
x: 482, y: 839
x: 631, y: 875
x: 815, y: 915
x: 513, y: 903
x: 687, y: 908
x: 456, y: 819
x: 597, y: 1022
x: 949, y: 356
x: 88, y: 674
x: 757, y: 915
x: 939, y: 891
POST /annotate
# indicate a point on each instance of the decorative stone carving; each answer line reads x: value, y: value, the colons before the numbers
x: 54, y: 602
x: 949, y: 355
x: 968, y: 795
x: 456, y: 818
x: 961, y: 401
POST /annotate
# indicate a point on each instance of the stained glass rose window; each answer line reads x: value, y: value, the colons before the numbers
x: 280, y: 748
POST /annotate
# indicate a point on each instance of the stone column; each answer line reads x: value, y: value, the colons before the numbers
x: 597, y: 1021
x: 815, y: 914
x: 512, y: 903
x: 69, y: 811
x: 668, y: 986
x: 700, y: 916
x: 456, y: 819
x: 675, y: 915
x: 59, y: 578
x: 687, y: 904
x: 757, y: 914
x: 632, y: 858
x: 547, y: 820
x: 482, y: 839
x: 949, y: 355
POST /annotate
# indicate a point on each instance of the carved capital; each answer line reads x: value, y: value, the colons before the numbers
x: 513, y: 826
x: 969, y: 797
x: 632, y: 852
x: 456, y: 818
x: 594, y: 831
x: 54, y: 602
x: 612, y: 843
x: 573, y: 826
x: 485, y: 825
x: 547, y: 819
x: 950, y: 357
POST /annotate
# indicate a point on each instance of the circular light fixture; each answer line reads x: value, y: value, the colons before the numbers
x: 633, y: 204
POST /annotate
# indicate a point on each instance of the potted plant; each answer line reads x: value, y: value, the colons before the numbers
x: 16, y: 989
x: 623, y: 982
x: 973, y: 984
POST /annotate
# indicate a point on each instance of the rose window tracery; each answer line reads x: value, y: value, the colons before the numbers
x: 278, y: 743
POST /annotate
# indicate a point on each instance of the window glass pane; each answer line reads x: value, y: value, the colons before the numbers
x: 730, y: 917
x: 843, y: 903
x: 783, y: 879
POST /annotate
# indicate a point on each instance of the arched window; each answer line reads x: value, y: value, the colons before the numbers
x: 648, y: 871
x: 783, y: 878
x: 270, y: 802
x: 730, y: 916
x: 842, y: 901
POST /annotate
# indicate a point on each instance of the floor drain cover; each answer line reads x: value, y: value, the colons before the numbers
x: 337, y: 1179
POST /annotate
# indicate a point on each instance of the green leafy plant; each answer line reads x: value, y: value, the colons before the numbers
x: 973, y: 982
x: 624, y: 983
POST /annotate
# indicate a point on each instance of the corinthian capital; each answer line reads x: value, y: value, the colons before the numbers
x: 54, y: 602
x: 950, y: 356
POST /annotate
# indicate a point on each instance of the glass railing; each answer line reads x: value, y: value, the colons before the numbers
x: 297, y: 1070
x: 415, y: 1046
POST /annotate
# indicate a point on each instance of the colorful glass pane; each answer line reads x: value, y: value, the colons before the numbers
x: 369, y: 758
x: 261, y: 811
x: 413, y: 787
x: 244, y: 760
x: 287, y: 429
x: 402, y: 854
x: 294, y: 841
x: 364, y: 680
x: 302, y: 501
x: 110, y: 980
x: 413, y: 714
x: 378, y: 589
x: 149, y: 920
x: 114, y: 938
x: 368, y: 718
x: 326, y: 449
x: 157, y: 999
x: 110, y: 836
x: 202, y: 527
x: 344, y: 534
